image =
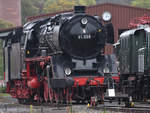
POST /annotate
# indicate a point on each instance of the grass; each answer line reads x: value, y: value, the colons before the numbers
x: 2, y: 89
x: 4, y: 95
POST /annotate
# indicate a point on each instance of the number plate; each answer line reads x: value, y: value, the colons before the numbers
x: 111, y: 92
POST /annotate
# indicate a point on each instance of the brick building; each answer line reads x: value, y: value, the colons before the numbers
x: 10, y: 10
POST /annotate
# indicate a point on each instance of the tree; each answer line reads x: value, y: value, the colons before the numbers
x: 36, y: 7
x: 86, y: 2
x: 39, y: 4
x: 5, y: 24
x: 51, y: 6
x: 58, y: 5
x: 141, y: 3
x: 28, y: 9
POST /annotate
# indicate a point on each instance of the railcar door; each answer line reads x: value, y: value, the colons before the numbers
x: 140, y: 36
x: 148, y: 51
x: 12, y: 60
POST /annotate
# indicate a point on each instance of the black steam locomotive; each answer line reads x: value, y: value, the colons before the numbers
x: 58, y: 59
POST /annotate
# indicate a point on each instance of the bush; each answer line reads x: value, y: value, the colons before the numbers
x: 2, y: 86
x: 2, y: 89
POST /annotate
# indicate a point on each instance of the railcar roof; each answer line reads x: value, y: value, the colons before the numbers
x: 131, y: 32
x: 127, y: 33
x: 147, y: 29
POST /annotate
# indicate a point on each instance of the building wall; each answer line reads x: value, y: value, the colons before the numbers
x: 10, y: 10
x: 121, y: 15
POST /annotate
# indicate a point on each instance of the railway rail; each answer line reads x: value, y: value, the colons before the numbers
x: 138, y: 108
x: 10, y: 105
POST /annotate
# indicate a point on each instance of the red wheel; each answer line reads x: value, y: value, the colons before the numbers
x: 56, y: 98
x: 68, y: 97
x: 45, y: 91
x: 51, y: 95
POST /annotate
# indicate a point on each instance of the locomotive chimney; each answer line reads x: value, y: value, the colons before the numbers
x: 79, y: 9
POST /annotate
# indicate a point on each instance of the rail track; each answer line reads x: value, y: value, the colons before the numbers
x: 9, y: 105
x: 138, y: 108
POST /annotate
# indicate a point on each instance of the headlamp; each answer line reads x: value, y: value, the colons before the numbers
x: 84, y: 21
x: 106, y: 16
x: 106, y: 70
x: 67, y: 71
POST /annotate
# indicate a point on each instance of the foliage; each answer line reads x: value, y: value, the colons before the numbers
x: 141, y: 3
x: 39, y: 5
x: 86, y: 2
x: 28, y: 9
x: 58, y: 5
x: 5, y: 24
x: 36, y: 7
x: 2, y: 89
x: 51, y: 6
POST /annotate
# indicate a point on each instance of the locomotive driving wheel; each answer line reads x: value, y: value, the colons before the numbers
x: 68, y: 96
x: 56, y: 95
x: 45, y: 91
x: 51, y: 95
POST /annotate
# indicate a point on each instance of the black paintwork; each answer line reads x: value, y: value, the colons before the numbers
x: 79, y: 44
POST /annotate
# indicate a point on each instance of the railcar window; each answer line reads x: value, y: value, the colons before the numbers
x: 136, y: 43
x: 120, y: 43
x: 123, y: 43
x: 4, y: 43
x: 23, y: 40
x: 127, y: 43
x: 144, y: 39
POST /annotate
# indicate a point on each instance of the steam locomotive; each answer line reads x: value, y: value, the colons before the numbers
x: 58, y: 59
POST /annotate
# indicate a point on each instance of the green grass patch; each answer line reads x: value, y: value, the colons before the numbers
x: 2, y: 89
x: 4, y: 95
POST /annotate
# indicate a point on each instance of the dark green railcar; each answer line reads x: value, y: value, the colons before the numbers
x: 133, y: 51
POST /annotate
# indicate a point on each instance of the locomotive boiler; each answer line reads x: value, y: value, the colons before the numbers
x: 58, y: 59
